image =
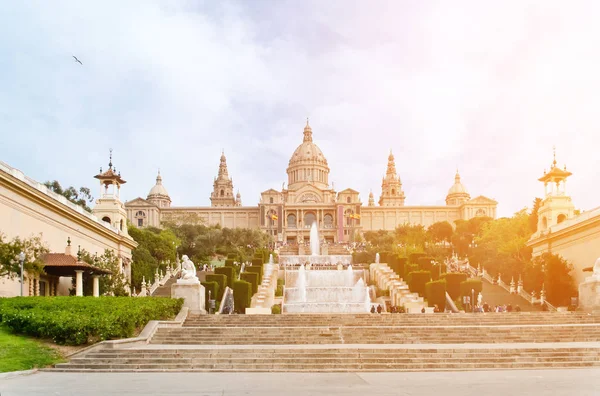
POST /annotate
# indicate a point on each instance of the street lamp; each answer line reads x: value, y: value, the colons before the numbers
x: 22, y: 260
x: 473, y: 299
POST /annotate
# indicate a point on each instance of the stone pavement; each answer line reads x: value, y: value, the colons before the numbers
x: 580, y: 382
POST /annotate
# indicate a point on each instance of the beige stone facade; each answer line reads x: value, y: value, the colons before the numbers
x: 287, y: 214
x: 560, y: 231
x: 28, y: 208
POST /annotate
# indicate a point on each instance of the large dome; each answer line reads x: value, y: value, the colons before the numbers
x: 457, y: 187
x: 158, y: 191
x: 308, y: 164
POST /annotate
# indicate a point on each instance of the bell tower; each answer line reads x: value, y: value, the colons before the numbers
x: 556, y: 206
x: 109, y: 207
x: 391, y: 186
x: 222, y: 194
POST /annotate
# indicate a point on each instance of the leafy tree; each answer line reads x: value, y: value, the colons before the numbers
x: 115, y: 284
x: 411, y: 235
x: 33, y: 248
x: 380, y: 238
x: 80, y: 197
x: 558, y: 282
x: 533, y: 217
x: 440, y: 231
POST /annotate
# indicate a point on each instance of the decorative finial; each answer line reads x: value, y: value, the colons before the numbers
x: 100, y: 169
x: 79, y: 252
x: 307, y: 121
x: 110, y: 159
x: 68, y: 241
x: 554, y: 152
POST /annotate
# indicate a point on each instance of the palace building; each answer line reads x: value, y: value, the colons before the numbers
x: 309, y: 197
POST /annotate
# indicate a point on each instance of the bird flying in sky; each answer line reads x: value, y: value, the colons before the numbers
x: 77, y: 60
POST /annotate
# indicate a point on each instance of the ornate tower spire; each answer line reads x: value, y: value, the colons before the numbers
x: 457, y: 194
x: 222, y: 194
x: 371, y: 199
x: 307, y: 132
x: 391, y: 186
x: 158, y: 194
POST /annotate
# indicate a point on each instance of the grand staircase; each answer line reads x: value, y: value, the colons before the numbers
x: 367, y: 342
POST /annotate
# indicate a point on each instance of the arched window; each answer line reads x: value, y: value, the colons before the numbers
x: 309, y: 218
x: 544, y: 223
x: 328, y: 220
x: 348, y: 200
x: 393, y: 192
x: 121, y: 224
x: 222, y: 193
x: 561, y: 218
x: 107, y: 219
x: 140, y: 213
x: 291, y: 220
x: 347, y: 214
x: 480, y: 213
x: 271, y: 200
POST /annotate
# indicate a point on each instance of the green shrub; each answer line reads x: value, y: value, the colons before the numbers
x: 252, y: 278
x: 81, y: 320
x: 453, y: 281
x: 257, y: 270
x: 231, y: 256
x: 213, y: 288
x: 437, y: 273
x: 229, y: 262
x: 279, y: 291
x: 221, y: 280
x: 425, y: 263
x: 471, y: 284
x: 363, y: 257
x: 408, y: 269
x: 435, y: 293
x: 242, y: 296
x: 413, y: 258
x: 229, y: 272
x: 257, y: 261
x: 276, y: 309
x: 417, y: 280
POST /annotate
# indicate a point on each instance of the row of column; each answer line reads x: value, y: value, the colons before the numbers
x: 79, y: 284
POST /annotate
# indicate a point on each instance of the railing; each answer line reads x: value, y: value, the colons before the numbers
x: 148, y: 289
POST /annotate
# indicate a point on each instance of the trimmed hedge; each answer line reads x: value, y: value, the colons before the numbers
x: 213, y: 287
x: 229, y: 272
x: 436, y: 294
x: 221, y: 280
x: 410, y: 268
x: 425, y: 263
x: 257, y: 270
x: 363, y: 257
x: 470, y: 284
x: 242, y: 296
x: 257, y: 262
x: 417, y: 280
x: 252, y: 278
x: 81, y: 320
x: 413, y: 258
x: 436, y: 273
x: 229, y: 262
x: 453, y: 281
x: 276, y: 309
x: 279, y: 290
x: 231, y: 256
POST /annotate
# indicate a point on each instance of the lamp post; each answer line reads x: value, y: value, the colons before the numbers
x: 473, y: 300
x: 22, y: 260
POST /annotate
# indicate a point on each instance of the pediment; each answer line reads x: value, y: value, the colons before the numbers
x: 481, y: 200
x: 348, y: 191
x: 270, y: 191
x: 139, y: 202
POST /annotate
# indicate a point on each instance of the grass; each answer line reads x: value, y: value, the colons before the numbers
x: 23, y: 353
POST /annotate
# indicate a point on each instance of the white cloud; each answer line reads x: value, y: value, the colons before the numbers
x: 485, y: 87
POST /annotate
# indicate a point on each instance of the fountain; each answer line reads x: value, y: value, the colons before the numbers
x: 315, y: 257
x: 271, y: 258
x: 326, y: 290
x: 377, y: 258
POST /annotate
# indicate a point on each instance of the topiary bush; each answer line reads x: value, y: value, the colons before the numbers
x: 221, y: 280
x: 417, y: 280
x: 257, y: 270
x: 279, y: 290
x: 435, y: 293
x: 471, y: 284
x: 252, y: 278
x: 425, y: 263
x: 453, y: 281
x: 229, y: 272
x: 229, y: 262
x: 413, y: 258
x: 81, y: 320
x: 276, y: 309
x: 257, y: 261
x: 242, y: 296
x: 410, y: 268
x: 213, y: 288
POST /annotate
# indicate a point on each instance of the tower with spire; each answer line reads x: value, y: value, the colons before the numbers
x: 457, y: 194
x: 556, y: 206
x: 222, y: 195
x: 371, y: 199
x: 158, y: 194
x: 391, y: 186
x: 109, y: 207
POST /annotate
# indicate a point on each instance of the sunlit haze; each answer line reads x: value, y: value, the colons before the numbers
x: 485, y: 87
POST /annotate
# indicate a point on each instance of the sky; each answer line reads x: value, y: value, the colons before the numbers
x: 484, y: 87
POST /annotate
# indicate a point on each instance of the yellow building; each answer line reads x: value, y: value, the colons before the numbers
x: 28, y: 208
x: 309, y: 197
x: 574, y: 237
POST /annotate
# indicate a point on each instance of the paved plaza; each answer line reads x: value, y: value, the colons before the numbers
x: 580, y: 382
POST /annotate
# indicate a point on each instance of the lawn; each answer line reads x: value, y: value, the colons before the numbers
x: 23, y: 353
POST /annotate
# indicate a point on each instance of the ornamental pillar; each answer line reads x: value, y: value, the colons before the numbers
x: 79, y: 283
x: 96, y: 279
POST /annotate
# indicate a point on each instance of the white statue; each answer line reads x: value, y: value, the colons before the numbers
x: 479, y: 299
x: 188, y: 269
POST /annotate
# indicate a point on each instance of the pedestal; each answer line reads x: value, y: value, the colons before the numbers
x: 192, y: 293
x: 589, y: 294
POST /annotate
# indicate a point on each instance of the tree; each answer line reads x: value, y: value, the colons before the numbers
x: 558, y: 282
x: 115, y: 284
x: 380, y: 238
x: 33, y: 248
x: 440, y: 231
x: 411, y: 235
x: 533, y: 217
x: 79, y: 197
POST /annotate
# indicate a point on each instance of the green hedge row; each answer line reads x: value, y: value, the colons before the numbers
x: 453, y: 281
x: 436, y: 294
x: 229, y: 272
x: 417, y: 280
x: 413, y: 258
x: 213, y: 288
x: 252, y: 278
x: 221, y: 280
x: 257, y: 270
x: 81, y: 320
x: 471, y: 284
x: 242, y: 296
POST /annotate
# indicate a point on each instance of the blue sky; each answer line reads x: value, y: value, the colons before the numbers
x: 488, y: 87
